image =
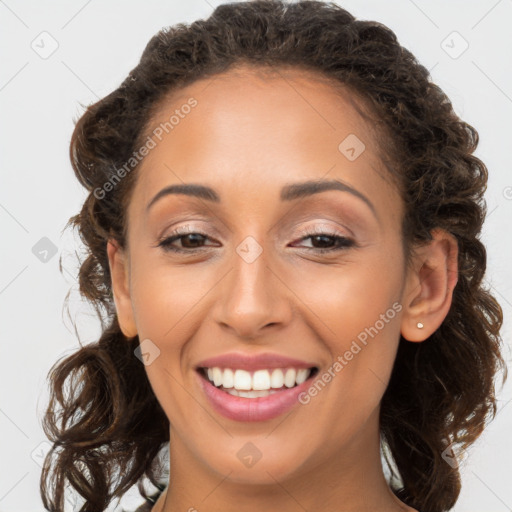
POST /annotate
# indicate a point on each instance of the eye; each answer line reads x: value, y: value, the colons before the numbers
x: 328, y: 241
x: 191, y: 240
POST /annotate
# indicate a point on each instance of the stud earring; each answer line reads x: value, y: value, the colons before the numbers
x: 419, y: 325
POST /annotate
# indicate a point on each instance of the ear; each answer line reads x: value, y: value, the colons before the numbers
x: 119, y: 271
x: 429, y: 286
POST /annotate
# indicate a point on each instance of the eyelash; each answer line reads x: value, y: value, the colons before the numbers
x: 343, y: 242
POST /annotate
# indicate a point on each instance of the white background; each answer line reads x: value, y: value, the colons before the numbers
x: 98, y: 43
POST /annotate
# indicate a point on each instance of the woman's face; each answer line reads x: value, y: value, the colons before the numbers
x: 253, y: 281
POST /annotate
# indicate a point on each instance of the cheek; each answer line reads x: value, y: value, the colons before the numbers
x: 352, y: 296
x: 357, y: 309
x: 169, y: 303
x: 165, y: 295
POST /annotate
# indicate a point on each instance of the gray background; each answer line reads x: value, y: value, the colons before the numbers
x: 98, y: 43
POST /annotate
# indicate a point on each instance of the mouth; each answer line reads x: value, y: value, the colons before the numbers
x: 258, y: 395
x: 256, y: 384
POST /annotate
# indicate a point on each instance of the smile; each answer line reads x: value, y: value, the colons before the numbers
x: 250, y: 387
x: 260, y: 383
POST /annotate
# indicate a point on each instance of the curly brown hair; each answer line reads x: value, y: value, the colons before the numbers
x: 107, y: 426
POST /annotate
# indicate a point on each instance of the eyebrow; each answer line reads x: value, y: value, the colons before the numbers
x: 289, y: 192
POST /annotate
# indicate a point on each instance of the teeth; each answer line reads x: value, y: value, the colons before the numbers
x: 302, y: 375
x: 261, y: 380
x: 228, y: 378
x: 242, y: 380
x: 250, y: 394
x: 277, y: 379
x: 217, y: 376
x: 289, y: 378
x: 259, y: 383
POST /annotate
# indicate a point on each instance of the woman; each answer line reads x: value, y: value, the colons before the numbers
x: 282, y: 225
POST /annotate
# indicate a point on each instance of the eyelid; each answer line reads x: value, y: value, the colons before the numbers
x: 190, y: 225
x: 315, y: 228
x: 322, y: 228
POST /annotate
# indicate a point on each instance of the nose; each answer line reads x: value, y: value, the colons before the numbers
x: 253, y: 297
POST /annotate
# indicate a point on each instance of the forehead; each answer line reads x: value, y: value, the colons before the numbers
x: 269, y: 103
x: 256, y: 128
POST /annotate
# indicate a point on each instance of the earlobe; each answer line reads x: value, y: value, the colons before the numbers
x: 119, y: 273
x: 429, y: 289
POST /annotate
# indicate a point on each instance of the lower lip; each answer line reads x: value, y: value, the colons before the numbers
x: 252, y: 409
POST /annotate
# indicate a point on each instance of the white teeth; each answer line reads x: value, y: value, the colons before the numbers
x: 302, y: 375
x: 217, y: 376
x: 242, y: 380
x: 238, y: 382
x: 253, y: 394
x: 261, y: 380
x: 289, y: 378
x: 250, y: 394
x: 228, y: 378
x: 277, y: 379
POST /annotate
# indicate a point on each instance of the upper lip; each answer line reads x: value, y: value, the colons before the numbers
x: 253, y: 362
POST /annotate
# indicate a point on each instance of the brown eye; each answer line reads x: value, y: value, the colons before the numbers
x: 328, y: 242
x: 190, y: 241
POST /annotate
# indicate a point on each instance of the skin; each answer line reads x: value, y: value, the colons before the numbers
x: 249, y: 135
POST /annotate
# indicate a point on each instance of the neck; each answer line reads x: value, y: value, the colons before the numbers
x: 349, y: 480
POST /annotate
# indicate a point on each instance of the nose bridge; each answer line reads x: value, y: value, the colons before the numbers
x: 250, y: 298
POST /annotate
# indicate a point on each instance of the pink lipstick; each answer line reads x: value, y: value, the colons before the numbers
x: 255, y: 387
